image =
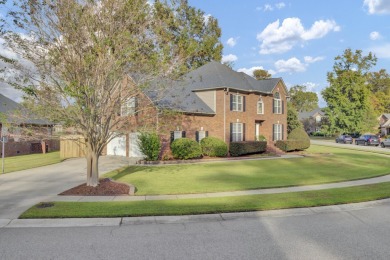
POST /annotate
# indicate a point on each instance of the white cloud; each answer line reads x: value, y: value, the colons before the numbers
x: 375, y: 36
x: 269, y: 7
x: 377, y: 6
x: 232, y: 41
x: 279, y: 38
x: 251, y: 70
x: 310, y: 86
x: 290, y: 65
x: 381, y: 51
x: 309, y: 59
x: 229, y: 58
x: 280, y: 5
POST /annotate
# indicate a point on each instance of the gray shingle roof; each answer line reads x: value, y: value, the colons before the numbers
x: 8, y: 106
x: 309, y: 114
x: 181, y: 93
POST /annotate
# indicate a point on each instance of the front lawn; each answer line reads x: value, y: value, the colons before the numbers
x: 23, y: 162
x: 209, y: 205
x: 322, y: 165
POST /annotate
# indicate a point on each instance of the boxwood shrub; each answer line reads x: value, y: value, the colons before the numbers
x: 214, y: 147
x: 297, y: 140
x: 247, y: 147
x: 185, y: 148
x: 150, y: 146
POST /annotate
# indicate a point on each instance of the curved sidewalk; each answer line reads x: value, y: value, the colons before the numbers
x: 384, y: 178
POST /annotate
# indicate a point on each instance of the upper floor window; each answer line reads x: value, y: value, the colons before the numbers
x: 260, y: 107
x: 277, y: 103
x: 129, y: 107
x: 237, y: 102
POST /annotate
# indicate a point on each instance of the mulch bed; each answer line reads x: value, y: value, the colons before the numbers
x: 106, y: 187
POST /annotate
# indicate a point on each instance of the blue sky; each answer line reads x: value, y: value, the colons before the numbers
x: 298, y: 40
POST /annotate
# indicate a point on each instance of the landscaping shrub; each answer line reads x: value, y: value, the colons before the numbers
x: 214, y: 147
x: 149, y: 144
x: 297, y: 140
x: 260, y: 138
x: 185, y: 148
x: 247, y: 147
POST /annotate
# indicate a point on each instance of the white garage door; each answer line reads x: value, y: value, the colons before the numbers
x: 117, y: 146
x: 134, y: 147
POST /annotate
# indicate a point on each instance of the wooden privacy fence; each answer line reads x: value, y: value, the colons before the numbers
x: 72, y: 146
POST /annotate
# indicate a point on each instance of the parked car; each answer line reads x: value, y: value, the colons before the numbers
x: 345, y: 139
x: 385, y: 143
x: 367, y: 140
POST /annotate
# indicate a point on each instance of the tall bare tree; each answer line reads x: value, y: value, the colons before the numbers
x: 74, y: 55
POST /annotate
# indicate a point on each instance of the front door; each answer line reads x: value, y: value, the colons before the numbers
x: 257, y: 131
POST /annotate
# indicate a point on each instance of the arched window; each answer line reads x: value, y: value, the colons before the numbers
x: 277, y: 103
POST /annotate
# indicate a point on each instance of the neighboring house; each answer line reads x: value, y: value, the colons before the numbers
x: 384, y: 124
x: 312, y: 120
x: 24, y: 132
x: 212, y: 100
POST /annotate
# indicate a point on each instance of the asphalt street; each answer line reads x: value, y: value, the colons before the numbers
x: 356, y: 233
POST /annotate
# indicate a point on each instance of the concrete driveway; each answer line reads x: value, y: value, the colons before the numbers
x: 21, y: 190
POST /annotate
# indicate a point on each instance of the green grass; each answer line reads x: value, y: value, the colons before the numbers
x: 211, y: 205
x: 324, y: 165
x: 23, y: 162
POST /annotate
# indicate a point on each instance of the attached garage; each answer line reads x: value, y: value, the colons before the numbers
x: 125, y: 145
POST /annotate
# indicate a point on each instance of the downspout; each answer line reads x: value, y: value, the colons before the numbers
x: 226, y: 90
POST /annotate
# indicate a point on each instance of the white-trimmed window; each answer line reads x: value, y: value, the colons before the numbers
x: 260, y: 107
x: 129, y: 107
x: 278, y: 132
x: 277, y: 103
x: 237, y: 132
x: 237, y: 103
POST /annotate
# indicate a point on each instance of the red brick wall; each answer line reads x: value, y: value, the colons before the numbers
x: 28, y: 147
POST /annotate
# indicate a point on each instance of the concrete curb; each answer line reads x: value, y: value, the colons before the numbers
x: 116, y: 222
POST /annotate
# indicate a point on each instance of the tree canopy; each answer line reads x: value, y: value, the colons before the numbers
x: 348, y: 94
x: 303, y: 100
x: 261, y: 74
x: 73, y: 56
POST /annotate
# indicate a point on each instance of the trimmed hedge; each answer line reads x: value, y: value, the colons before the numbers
x: 214, y: 147
x: 297, y: 140
x: 291, y: 145
x: 247, y: 147
x: 185, y: 148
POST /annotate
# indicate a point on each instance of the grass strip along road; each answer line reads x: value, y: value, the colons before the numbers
x: 209, y: 205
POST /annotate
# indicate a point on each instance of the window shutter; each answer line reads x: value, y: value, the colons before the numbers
x: 282, y: 132
x: 197, y: 136
x: 172, y: 136
x: 282, y: 107
x: 273, y: 106
x: 183, y: 134
x: 243, y: 132
x: 231, y: 132
x: 207, y: 133
x: 135, y: 106
x: 243, y: 103
x: 231, y: 102
x: 273, y: 132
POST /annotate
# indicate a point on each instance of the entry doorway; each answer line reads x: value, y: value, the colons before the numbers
x: 258, y: 130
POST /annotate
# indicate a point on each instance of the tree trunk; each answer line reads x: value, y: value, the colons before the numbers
x: 92, y: 168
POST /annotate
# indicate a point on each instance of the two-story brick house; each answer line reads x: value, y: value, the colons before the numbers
x: 212, y: 100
